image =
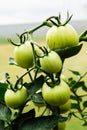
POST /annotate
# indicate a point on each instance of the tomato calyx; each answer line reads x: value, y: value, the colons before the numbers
x: 52, y: 84
x: 56, y: 20
x: 53, y: 81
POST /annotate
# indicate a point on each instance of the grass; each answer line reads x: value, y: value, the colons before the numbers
x: 77, y: 62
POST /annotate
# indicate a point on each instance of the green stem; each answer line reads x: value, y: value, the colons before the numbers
x: 30, y: 76
x: 45, y: 23
x: 23, y: 76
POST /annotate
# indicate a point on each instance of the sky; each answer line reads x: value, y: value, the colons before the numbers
x: 28, y: 11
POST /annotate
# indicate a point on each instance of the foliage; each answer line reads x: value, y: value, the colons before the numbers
x: 27, y: 120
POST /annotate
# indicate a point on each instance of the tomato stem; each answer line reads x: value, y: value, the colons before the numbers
x: 13, y: 43
x: 45, y: 23
x: 28, y: 71
x: 30, y: 76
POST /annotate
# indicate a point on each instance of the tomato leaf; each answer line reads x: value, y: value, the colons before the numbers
x: 69, y: 51
x: 79, y: 84
x: 75, y: 72
x: 37, y: 98
x: 84, y: 87
x: 74, y: 106
x: 1, y: 125
x: 83, y: 36
x: 21, y: 118
x: 12, y: 61
x: 85, y: 104
x: 34, y: 86
x: 5, y: 113
x: 3, y: 88
x: 40, y: 123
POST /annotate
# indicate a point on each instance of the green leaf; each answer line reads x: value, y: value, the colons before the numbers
x: 37, y: 98
x: 12, y: 61
x: 74, y: 106
x: 84, y: 87
x: 1, y: 125
x: 73, y: 97
x: 79, y: 84
x: 34, y: 86
x: 5, y: 113
x: 85, y: 104
x: 75, y: 72
x: 69, y: 51
x: 40, y: 123
x: 3, y: 88
x: 72, y: 83
x: 83, y: 36
x: 21, y: 118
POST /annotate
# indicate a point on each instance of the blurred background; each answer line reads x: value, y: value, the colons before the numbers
x: 19, y: 15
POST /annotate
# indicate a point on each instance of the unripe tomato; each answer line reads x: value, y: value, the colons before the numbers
x: 66, y: 107
x: 51, y: 63
x: 61, y: 37
x: 24, y: 55
x: 57, y: 95
x: 15, y: 99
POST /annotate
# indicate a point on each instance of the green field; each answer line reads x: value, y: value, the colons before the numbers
x: 77, y: 62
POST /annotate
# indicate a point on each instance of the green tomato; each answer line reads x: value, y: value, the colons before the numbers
x: 57, y: 95
x: 61, y: 37
x: 15, y: 99
x: 61, y: 125
x: 66, y: 107
x: 51, y: 63
x: 23, y: 55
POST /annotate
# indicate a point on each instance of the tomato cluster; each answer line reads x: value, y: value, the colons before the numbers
x: 56, y: 92
x: 53, y: 91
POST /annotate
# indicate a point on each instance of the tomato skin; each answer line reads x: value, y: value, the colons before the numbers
x: 57, y: 95
x: 15, y: 99
x: 24, y: 55
x: 66, y: 107
x: 51, y: 63
x: 61, y: 37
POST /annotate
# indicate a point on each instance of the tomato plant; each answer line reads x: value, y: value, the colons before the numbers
x: 46, y: 85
